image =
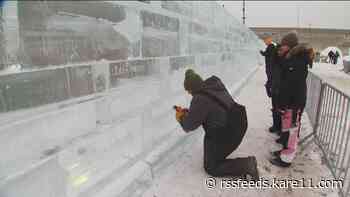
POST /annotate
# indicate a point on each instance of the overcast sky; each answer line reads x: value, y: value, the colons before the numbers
x: 319, y: 14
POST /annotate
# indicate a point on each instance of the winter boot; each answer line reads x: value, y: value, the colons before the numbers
x: 283, y: 140
x: 276, y: 118
x: 276, y: 153
x: 273, y: 129
x: 278, y: 162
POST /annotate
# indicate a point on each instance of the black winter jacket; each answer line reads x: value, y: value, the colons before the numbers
x: 276, y: 69
x: 268, y: 54
x: 293, y: 78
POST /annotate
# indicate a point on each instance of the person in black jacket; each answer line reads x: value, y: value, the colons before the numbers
x: 212, y: 116
x: 273, y: 72
x: 292, y: 95
x: 276, y: 67
x: 331, y: 56
x: 336, y: 56
x: 268, y: 54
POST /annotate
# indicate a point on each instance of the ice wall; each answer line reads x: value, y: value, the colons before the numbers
x: 87, y: 88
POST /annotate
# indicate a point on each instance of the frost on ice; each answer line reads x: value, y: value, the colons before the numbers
x: 87, y: 86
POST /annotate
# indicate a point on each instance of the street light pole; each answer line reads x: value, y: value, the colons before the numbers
x: 310, y: 34
x: 243, y: 17
x: 298, y: 16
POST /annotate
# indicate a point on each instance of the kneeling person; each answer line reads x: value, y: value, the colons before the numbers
x: 209, y: 108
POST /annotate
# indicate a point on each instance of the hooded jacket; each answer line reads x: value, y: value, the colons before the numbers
x: 205, y: 111
x: 294, y: 72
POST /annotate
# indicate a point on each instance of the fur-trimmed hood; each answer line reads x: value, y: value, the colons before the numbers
x: 300, y: 49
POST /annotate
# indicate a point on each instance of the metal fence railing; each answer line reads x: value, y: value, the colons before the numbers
x: 328, y: 109
x: 314, y: 86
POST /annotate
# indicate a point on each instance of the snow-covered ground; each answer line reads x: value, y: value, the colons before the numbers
x: 334, y: 75
x: 186, y: 176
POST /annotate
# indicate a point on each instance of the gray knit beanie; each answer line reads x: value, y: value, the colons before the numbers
x: 291, y: 39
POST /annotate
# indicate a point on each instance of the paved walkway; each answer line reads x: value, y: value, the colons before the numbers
x: 186, y: 178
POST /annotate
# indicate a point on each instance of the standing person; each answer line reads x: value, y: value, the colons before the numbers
x: 268, y: 53
x: 336, y: 56
x: 331, y: 57
x: 208, y: 108
x: 276, y: 62
x: 317, y: 57
x: 272, y: 69
x: 312, y: 55
x: 296, y: 59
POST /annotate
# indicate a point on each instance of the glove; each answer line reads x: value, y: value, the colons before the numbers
x: 180, y: 113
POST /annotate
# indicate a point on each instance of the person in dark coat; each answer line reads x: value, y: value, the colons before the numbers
x: 268, y: 53
x: 331, y: 56
x: 213, y: 117
x: 292, y: 97
x: 317, y: 57
x: 336, y: 56
x: 276, y: 66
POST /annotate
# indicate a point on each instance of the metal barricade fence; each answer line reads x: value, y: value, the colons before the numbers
x: 314, y: 86
x: 328, y: 109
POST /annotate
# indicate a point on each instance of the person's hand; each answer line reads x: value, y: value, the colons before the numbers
x: 179, y: 115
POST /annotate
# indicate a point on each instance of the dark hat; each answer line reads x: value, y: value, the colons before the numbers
x: 193, y: 82
x: 291, y: 39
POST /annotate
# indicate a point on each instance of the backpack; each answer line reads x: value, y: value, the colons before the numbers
x: 237, y: 122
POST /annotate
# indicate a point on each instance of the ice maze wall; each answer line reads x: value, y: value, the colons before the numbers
x: 87, y: 88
